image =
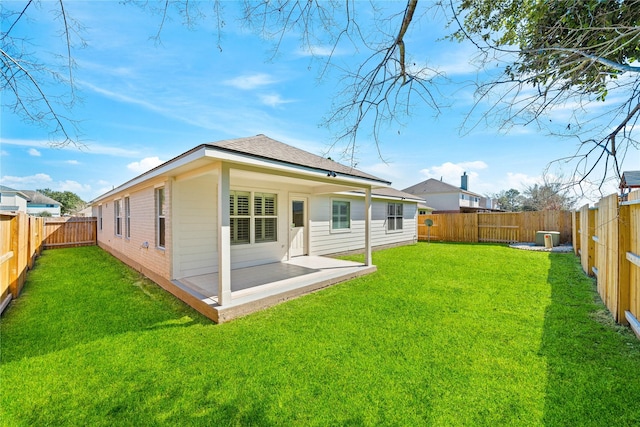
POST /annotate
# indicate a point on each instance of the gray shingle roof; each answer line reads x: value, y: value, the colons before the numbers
x: 39, y: 198
x: 264, y: 147
x: 431, y: 186
x: 630, y: 179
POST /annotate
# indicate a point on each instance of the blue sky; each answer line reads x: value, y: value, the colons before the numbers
x: 144, y: 102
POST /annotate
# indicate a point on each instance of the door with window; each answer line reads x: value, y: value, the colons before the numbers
x: 298, y: 220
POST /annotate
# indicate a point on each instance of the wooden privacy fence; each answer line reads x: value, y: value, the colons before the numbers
x: 23, y: 239
x: 70, y: 232
x: 495, y: 227
x: 608, y: 243
x: 20, y: 243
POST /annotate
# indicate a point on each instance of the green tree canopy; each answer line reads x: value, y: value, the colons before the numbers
x: 70, y: 202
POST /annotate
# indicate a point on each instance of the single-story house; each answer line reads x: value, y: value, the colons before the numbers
x: 39, y: 203
x: 629, y: 181
x: 12, y: 200
x: 29, y: 201
x: 241, y: 224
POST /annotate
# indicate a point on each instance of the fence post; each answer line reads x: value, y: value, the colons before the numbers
x: 14, y: 275
x: 591, y: 250
x: 575, y: 234
x: 624, y: 267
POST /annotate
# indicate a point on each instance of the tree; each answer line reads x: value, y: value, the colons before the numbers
x: 551, y: 195
x: 509, y: 200
x: 70, y: 202
x: 558, y: 53
x: 25, y: 77
x: 548, y: 55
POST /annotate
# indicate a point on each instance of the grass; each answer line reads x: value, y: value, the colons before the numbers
x: 442, y: 334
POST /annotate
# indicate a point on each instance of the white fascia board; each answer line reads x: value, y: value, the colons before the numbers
x: 288, y: 168
x: 379, y: 196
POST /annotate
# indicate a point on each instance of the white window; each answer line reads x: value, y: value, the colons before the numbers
x: 160, y: 218
x: 394, y: 216
x: 263, y: 216
x: 117, y: 214
x: 100, y: 217
x: 340, y: 215
x: 240, y: 214
x: 127, y: 218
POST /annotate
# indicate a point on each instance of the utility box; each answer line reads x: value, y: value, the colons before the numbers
x: 555, y: 237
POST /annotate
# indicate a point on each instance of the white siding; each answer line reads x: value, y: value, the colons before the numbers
x: 325, y: 241
x: 195, y: 220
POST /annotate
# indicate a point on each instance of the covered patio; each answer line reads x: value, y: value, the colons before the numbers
x: 255, y: 288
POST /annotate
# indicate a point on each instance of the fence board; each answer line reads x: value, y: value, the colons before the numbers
x: 69, y: 232
x: 612, y: 233
x: 497, y: 227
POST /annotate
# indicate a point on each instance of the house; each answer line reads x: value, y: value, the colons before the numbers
x: 12, y: 200
x: 38, y: 204
x: 31, y: 202
x: 447, y: 198
x: 629, y: 181
x: 237, y: 225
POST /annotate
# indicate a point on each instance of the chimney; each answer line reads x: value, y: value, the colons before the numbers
x: 464, y: 181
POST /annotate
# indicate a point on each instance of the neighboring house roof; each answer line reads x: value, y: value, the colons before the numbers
x: 256, y: 150
x: 436, y: 186
x: 423, y: 206
x: 630, y: 179
x: 5, y: 189
x: 36, y: 198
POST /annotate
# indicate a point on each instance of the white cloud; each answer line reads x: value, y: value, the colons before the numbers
x: 33, y: 152
x: 88, y: 147
x: 145, y: 164
x: 521, y: 181
x: 273, y: 100
x: 73, y: 186
x: 451, y: 172
x: 249, y: 82
x: 72, y: 162
x: 38, y: 180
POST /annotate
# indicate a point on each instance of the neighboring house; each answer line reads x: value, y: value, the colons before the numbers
x: 445, y: 198
x: 424, y: 209
x: 630, y: 180
x: 237, y: 204
x: 12, y: 200
x: 39, y: 203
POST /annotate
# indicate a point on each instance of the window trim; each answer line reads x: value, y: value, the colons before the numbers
x: 251, y: 216
x: 117, y: 218
x: 332, y: 228
x: 100, y: 217
x: 161, y: 216
x: 393, y: 217
x: 127, y: 217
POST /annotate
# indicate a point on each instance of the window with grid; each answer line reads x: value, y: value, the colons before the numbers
x: 394, y: 216
x: 160, y: 218
x: 264, y: 217
x: 340, y: 215
x: 127, y: 218
x: 117, y: 215
x: 240, y: 215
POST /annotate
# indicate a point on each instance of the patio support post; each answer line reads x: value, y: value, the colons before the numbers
x: 367, y: 226
x: 224, y: 236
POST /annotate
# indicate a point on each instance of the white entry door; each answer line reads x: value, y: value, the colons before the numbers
x: 297, y: 235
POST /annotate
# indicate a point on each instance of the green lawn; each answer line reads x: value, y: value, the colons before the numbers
x: 442, y: 334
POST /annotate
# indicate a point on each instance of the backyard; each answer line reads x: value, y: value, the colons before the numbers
x: 441, y: 334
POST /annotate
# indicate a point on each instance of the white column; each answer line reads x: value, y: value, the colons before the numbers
x: 367, y: 226
x: 224, y: 237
